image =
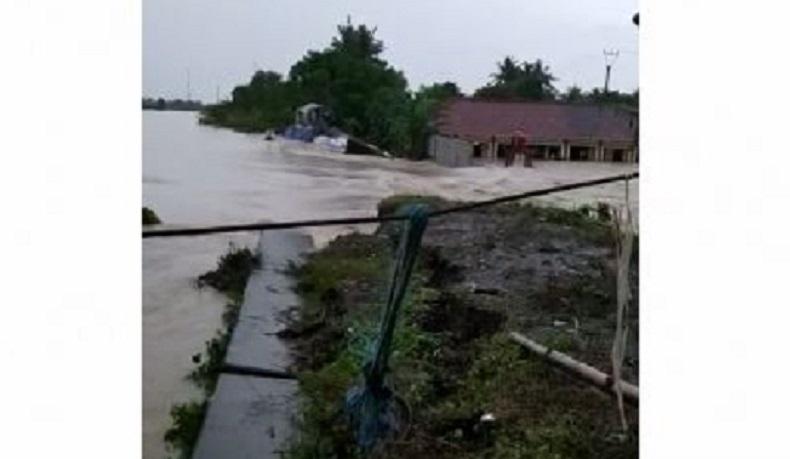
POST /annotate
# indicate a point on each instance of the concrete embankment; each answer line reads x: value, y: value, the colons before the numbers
x: 252, y: 410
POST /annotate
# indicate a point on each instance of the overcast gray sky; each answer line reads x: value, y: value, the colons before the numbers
x: 221, y: 42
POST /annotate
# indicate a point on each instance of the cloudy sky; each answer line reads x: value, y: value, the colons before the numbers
x: 220, y: 43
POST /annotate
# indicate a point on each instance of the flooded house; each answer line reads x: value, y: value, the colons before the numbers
x: 472, y: 132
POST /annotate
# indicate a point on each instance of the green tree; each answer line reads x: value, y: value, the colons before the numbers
x: 573, y: 94
x: 357, y: 41
x: 598, y: 96
x: 530, y: 81
x: 613, y: 97
x: 368, y: 97
x: 267, y: 101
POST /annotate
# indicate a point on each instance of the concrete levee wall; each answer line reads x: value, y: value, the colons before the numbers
x: 251, y: 415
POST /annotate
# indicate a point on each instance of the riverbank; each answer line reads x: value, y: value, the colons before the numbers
x: 224, y: 116
x: 238, y: 178
x: 251, y: 411
x: 545, y: 272
x: 230, y: 278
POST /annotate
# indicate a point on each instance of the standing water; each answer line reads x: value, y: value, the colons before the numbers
x: 200, y: 175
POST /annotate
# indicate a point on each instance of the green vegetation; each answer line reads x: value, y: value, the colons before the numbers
x: 352, y: 265
x: 370, y: 99
x: 574, y: 94
x: 530, y: 81
x: 171, y: 104
x: 452, y: 360
x: 367, y: 97
x: 233, y: 270
x: 187, y: 418
x: 210, y: 362
x: 267, y: 102
x: 150, y: 217
x: 230, y: 277
x: 534, y: 81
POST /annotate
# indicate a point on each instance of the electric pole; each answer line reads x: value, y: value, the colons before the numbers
x: 189, y: 88
x: 609, y: 57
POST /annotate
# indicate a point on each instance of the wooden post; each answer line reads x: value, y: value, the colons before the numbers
x: 579, y: 369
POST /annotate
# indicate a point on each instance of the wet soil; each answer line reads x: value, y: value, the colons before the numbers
x: 544, y: 272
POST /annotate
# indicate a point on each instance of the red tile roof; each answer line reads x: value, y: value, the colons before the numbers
x: 478, y: 120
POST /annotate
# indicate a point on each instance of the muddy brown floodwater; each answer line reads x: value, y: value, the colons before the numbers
x: 200, y: 175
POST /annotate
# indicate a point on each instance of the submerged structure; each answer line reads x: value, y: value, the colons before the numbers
x: 312, y: 123
x: 472, y: 131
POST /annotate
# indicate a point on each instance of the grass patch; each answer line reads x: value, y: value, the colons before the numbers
x: 452, y: 359
x: 150, y: 217
x: 187, y: 419
x: 230, y: 277
x: 342, y: 287
x: 232, y: 272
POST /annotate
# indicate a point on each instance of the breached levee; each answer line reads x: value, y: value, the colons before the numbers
x: 252, y: 410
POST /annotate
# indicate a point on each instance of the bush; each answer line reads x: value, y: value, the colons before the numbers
x: 150, y: 217
x: 233, y: 270
x: 187, y: 420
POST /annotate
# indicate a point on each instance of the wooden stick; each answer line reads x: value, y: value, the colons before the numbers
x: 580, y: 369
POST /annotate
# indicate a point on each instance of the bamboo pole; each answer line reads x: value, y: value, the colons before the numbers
x: 624, y: 233
x: 580, y: 369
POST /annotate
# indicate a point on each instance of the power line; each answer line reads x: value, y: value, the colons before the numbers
x: 363, y: 220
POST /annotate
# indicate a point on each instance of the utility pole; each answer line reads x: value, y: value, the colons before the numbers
x: 189, y: 88
x: 609, y: 57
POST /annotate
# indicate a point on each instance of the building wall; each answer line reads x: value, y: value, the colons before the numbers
x: 455, y: 152
x: 450, y: 152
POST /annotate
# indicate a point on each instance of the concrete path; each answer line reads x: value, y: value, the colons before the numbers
x: 252, y: 416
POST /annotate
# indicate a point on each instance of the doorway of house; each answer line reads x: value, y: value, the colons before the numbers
x: 581, y: 153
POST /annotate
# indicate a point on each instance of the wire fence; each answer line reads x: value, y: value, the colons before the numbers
x: 198, y: 231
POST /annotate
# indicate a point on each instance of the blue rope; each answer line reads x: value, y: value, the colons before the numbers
x: 372, y: 406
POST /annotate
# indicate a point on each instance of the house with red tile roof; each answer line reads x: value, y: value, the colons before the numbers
x: 471, y: 131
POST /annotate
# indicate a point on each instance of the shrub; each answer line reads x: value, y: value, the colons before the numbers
x: 150, y: 217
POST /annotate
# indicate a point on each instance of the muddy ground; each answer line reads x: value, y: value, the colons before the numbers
x: 545, y: 272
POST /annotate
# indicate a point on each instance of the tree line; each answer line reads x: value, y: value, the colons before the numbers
x: 370, y: 99
x: 171, y: 104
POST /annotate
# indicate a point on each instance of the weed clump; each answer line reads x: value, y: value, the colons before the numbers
x: 187, y: 419
x: 232, y: 272
x: 150, y: 217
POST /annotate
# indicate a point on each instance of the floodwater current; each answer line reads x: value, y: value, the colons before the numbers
x: 201, y: 175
